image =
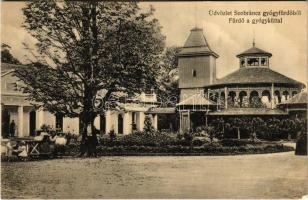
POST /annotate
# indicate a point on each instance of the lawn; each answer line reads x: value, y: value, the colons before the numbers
x: 279, y: 175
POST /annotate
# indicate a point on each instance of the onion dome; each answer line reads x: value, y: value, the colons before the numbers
x: 196, y: 44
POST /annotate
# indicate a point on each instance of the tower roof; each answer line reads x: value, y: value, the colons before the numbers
x: 196, y: 44
x: 254, y: 51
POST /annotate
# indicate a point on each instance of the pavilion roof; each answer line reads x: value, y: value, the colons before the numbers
x: 256, y: 75
x: 249, y: 111
x: 254, y: 51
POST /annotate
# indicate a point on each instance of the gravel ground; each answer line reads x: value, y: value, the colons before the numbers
x: 280, y: 175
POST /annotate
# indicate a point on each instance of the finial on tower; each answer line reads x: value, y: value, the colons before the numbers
x: 195, y: 16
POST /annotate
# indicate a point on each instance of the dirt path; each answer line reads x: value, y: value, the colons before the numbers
x: 280, y: 175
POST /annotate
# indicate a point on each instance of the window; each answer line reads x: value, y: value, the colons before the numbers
x: 242, y: 62
x: 253, y: 61
x: 194, y: 73
x: 263, y: 61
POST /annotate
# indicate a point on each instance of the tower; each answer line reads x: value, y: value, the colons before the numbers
x: 196, y: 63
x: 254, y: 57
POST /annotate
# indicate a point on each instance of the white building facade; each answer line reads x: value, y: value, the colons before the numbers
x: 15, y: 106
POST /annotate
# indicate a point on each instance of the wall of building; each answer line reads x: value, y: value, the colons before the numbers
x: 205, y: 67
x: 188, y: 92
x: 71, y: 125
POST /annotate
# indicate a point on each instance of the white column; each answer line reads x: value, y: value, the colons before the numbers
x: 141, y: 120
x: 20, y: 121
x: 127, y: 123
x: 155, y: 121
x: 39, y: 118
x: 226, y: 98
x: 272, y: 96
x: 108, y: 121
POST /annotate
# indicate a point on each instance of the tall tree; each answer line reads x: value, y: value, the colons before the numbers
x: 89, y: 51
x: 168, y: 90
x: 6, y: 55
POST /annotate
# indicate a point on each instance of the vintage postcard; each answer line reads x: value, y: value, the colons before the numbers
x: 154, y: 100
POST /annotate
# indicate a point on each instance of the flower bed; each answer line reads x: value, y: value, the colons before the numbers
x: 214, y: 149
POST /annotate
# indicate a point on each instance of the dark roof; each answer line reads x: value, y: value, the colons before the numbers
x: 168, y: 110
x: 300, y: 98
x: 6, y: 67
x: 256, y: 75
x: 196, y: 44
x: 249, y: 111
x: 254, y: 51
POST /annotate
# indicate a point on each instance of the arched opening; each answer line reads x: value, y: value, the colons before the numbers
x: 277, y: 96
x: 102, y: 124
x: 222, y: 99
x: 231, y: 98
x: 5, y: 123
x: 59, y: 122
x: 285, y: 96
x: 32, y: 121
x: 243, y: 99
x: 266, y: 98
x: 215, y: 96
x: 120, y: 124
x: 254, y: 99
x: 294, y: 93
x: 212, y: 96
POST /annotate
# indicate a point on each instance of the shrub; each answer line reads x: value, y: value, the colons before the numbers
x: 112, y: 135
x: 301, y: 145
x: 235, y: 142
x: 188, y: 136
x: 199, y: 141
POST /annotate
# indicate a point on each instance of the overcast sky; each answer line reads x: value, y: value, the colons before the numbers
x: 287, y: 41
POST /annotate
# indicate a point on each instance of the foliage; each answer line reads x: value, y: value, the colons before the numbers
x: 188, y: 136
x: 112, y: 135
x: 256, y: 127
x: 257, y: 103
x: 168, y: 91
x: 197, y: 150
x: 211, y: 132
x: 148, y: 127
x: 236, y: 142
x: 87, y: 52
x: 6, y: 56
x: 301, y: 144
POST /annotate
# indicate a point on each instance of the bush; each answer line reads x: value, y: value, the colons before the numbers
x: 199, y: 141
x: 112, y: 135
x: 236, y: 142
x: 301, y: 145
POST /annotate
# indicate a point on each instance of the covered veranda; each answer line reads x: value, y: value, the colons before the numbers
x: 194, y: 111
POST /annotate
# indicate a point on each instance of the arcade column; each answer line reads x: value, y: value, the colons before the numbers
x: 20, y: 121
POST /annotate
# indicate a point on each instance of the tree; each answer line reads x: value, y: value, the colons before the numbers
x: 88, y: 52
x: 6, y: 55
x: 168, y: 90
x: 148, y: 128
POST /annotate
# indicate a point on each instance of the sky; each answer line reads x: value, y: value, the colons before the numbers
x: 287, y: 41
